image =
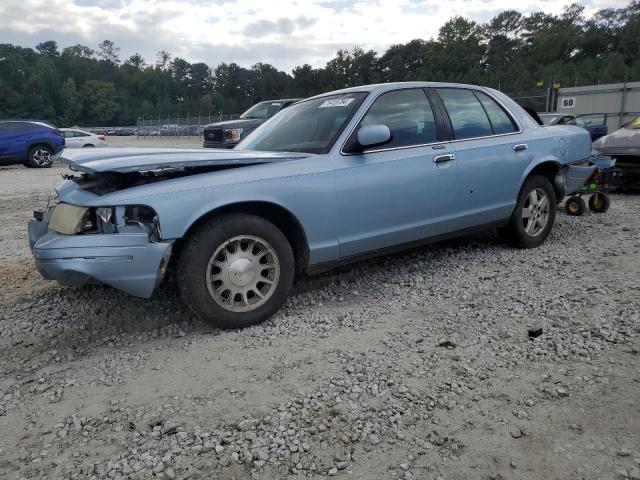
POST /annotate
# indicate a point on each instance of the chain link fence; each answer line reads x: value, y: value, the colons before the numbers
x: 541, y: 100
x: 177, y: 126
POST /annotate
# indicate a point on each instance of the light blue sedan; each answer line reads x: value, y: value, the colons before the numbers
x: 332, y: 179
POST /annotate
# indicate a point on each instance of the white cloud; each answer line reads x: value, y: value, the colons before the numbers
x: 282, y: 32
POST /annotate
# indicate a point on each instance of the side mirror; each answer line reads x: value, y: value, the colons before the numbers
x: 373, y: 135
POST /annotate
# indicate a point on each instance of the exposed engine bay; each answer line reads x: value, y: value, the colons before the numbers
x: 102, y: 183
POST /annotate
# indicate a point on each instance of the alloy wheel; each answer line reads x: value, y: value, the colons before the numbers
x: 41, y: 157
x: 535, y: 212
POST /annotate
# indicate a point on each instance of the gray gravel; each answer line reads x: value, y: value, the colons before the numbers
x: 414, y: 366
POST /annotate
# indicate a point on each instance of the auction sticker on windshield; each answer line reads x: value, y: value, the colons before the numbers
x: 337, y: 102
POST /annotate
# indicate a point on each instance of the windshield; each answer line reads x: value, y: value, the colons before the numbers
x: 634, y: 124
x: 549, y: 119
x: 262, y: 110
x: 311, y: 126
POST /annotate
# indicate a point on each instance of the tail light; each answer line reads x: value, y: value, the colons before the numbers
x: 101, y: 137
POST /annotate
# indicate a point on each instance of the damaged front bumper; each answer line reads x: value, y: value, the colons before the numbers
x: 128, y: 261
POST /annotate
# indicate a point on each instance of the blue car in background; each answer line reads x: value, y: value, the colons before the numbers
x: 33, y: 143
x: 331, y: 179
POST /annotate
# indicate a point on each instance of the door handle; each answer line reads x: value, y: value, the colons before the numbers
x: 519, y: 147
x: 444, y: 158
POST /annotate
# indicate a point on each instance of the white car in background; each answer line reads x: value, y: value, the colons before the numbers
x: 76, y: 138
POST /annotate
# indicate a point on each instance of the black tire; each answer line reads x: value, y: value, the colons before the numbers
x: 599, y: 202
x: 514, y: 232
x: 88, y: 145
x: 575, y: 206
x: 40, y: 156
x: 194, y: 264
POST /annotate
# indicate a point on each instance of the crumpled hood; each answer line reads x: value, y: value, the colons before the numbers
x: 124, y: 160
x: 619, y: 141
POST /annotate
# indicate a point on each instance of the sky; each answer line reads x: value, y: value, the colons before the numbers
x: 284, y: 33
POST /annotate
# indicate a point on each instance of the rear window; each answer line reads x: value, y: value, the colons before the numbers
x: 468, y: 117
x: 500, y: 121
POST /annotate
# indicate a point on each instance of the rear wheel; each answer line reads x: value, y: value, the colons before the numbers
x: 88, y: 145
x: 40, y: 156
x: 534, y: 215
x: 236, y: 270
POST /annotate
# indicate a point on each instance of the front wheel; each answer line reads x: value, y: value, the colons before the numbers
x: 534, y: 215
x: 236, y: 270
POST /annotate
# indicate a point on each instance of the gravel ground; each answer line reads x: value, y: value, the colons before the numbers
x: 412, y: 366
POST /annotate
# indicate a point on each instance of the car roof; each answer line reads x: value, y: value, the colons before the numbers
x: 72, y: 129
x: 27, y: 120
x: 382, y: 87
x: 280, y: 100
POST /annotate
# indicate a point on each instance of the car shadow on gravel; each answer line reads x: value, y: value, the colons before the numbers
x: 402, y: 259
x: 79, y: 320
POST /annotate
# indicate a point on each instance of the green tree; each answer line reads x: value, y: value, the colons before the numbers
x: 100, y: 102
x: 108, y: 52
x: 511, y: 50
x: 49, y: 48
x: 70, y: 102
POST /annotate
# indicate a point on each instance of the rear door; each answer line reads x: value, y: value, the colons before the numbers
x: 71, y: 139
x: 491, y: 152
x: 83, y: 138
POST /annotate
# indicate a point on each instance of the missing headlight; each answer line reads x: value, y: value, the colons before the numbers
x: 145, y: 217
x: 105, y: 214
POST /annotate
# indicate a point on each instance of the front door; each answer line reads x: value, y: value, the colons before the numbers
x: 400, y: 192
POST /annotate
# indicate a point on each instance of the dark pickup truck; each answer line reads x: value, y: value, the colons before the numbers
x: 229, y: 133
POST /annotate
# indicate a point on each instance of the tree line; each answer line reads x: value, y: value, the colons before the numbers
x: 79, y: 85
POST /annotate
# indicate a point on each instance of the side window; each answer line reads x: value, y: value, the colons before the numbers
x: 500, y: 121
x: 23, y: 127
x: 408, y: 115
x: 467, y: 115
x: 17, y: 127
x: 596, y: 119
x: 80, y: 134
x: 567, y: 120
x: 68, y: 134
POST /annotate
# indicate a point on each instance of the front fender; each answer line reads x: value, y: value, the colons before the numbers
x: 178, y: 230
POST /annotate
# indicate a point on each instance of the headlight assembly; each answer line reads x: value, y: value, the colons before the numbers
x: 69, y: 219
x: 75, y: 220
x: 233, y: 134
